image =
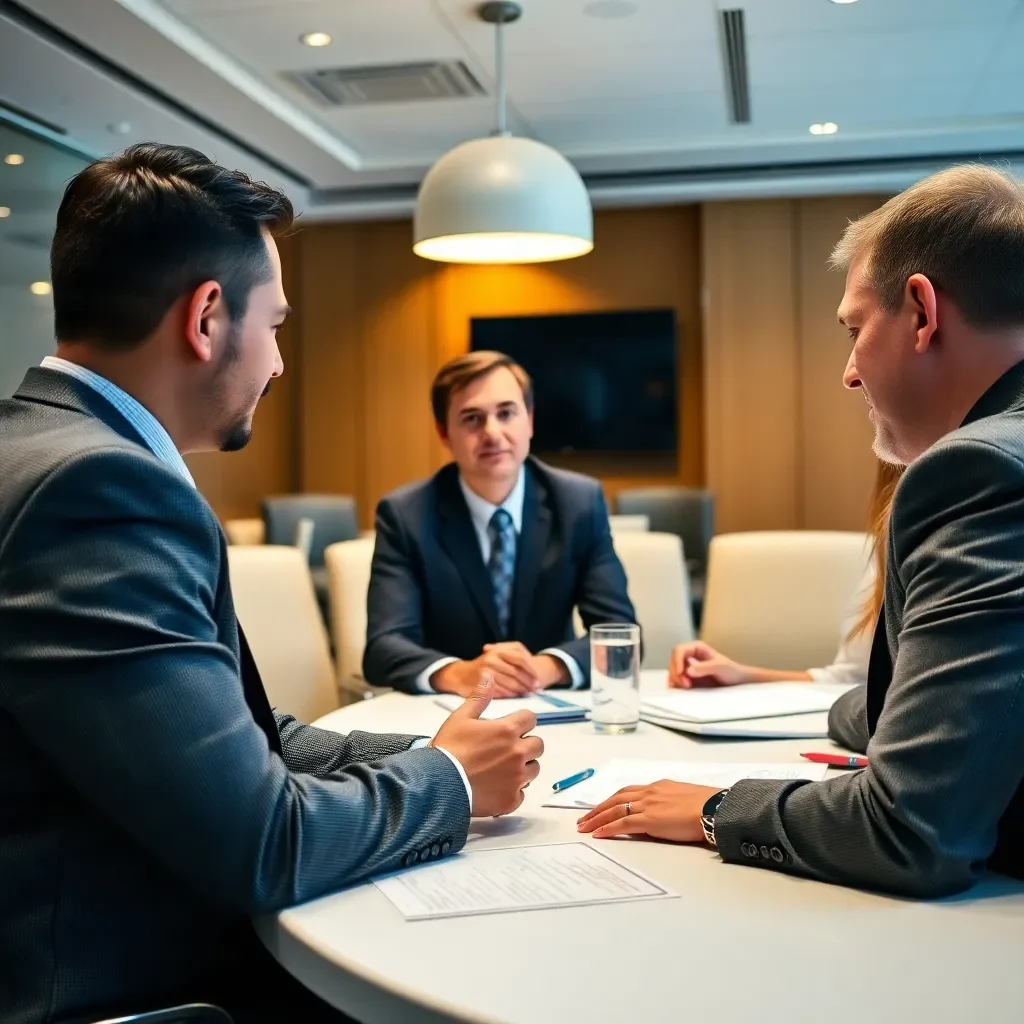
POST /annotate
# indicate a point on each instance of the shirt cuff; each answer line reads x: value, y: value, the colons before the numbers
x: 575, y: 672
x: 423, y: 679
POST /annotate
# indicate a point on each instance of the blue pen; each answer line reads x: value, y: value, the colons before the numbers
x: 558, y: 702
x: 572, y: 780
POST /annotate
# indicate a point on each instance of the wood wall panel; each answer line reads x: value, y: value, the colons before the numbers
x: 837, y: 462
x: 751, y: 360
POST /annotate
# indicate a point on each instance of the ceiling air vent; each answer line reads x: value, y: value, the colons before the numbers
x: 390, y: 83
x: 734, y: 49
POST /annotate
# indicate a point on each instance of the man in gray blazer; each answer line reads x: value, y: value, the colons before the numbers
x: 150, y: 799
x: 934, y: 306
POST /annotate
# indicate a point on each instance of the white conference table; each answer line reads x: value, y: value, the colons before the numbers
x: 740, y: 944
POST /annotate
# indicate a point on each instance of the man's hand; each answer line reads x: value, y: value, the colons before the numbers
x: 550, y: 670
x: 499, y: 758
x: 698, y: 664
x: 510, y: 665
x: 663, y: 810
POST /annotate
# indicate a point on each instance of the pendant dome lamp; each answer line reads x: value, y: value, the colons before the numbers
x: 502, y: 199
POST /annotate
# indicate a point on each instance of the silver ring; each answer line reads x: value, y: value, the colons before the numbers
x: 629, y: 807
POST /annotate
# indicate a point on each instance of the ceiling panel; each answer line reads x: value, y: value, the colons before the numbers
x: 814, y: 60
x: 371, y: 32
x: 579, y: 126
x: 788, y: 17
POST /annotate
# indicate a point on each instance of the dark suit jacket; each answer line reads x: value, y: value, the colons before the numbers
x: 942, y: 716
x: 430, y: 596
x: 149, y: 800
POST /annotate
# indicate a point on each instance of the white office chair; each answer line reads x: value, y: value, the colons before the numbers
x: 659, y: 589
x: 244, y: 531
x: 778, y: 598
x: 276, y: 606
x: 348, y: 575
x: 629, y: 524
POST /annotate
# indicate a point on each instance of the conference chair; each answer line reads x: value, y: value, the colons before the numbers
x: 277, y: 608
x: 245, y: 531
x: 348, y: 575
x: 622, y: 524
x: 193, y: 1013
x: 659, y: 589
x: 778, y: 598
x: 334, y: 519
x: 685, y: 511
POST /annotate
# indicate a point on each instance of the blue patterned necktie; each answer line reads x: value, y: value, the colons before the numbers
x: 502, y: 564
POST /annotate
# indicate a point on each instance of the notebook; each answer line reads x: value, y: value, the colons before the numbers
x: 735, y: 703
x: 549, y: 709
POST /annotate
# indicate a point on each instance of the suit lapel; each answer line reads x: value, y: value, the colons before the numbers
x: 256, y: 696
x: 458, y: 537
x: 533, y: 543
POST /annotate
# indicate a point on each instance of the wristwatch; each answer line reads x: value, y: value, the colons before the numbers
x: 707, y: 815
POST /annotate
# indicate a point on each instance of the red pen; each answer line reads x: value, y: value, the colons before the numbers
x: 838, y: 760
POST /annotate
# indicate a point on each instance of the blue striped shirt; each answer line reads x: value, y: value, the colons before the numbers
x: 158, y: 441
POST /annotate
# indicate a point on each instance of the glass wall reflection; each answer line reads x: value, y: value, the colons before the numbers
x: 33, y: 175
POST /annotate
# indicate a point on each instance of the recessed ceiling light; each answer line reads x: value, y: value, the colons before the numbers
x: 610, y: 9
x: 844, y: 1
x: 14, y: 159
x: 315, y: 39
x: 119, y: 127
x: 5, y: 211
x: 40, y: 288
x: 824, y: 128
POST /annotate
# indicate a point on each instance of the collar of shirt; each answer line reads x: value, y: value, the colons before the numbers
x: 158, y: 441
x: 481, y: 510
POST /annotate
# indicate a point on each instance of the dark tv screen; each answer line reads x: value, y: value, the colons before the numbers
x: 603, y: 382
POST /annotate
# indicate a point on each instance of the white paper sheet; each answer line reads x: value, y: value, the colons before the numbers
x: 506, y: 706
x: 623, y: 772
x: 518, y: 878
x: 732, y: 703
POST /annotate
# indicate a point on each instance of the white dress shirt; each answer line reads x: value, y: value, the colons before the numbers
x: 159, y: 442
x: 481, y: 511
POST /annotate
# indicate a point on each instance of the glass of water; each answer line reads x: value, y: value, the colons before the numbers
x: 615, y: 676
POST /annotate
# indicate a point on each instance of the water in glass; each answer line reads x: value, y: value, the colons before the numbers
x: 615, y: 677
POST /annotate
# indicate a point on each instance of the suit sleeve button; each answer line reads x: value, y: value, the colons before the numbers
x: 777, y: 855
x: 411, y: 858
x: 445, y: 848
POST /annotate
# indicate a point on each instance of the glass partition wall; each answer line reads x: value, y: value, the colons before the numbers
x: 33, y: 174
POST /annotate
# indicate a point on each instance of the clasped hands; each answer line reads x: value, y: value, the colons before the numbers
x: 514, y: 670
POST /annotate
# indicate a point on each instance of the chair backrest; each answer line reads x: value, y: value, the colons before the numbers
x: 622, y: 524
x: 333, y: 515
x: 777, y: 599
x: 685, y: 511
x: 659, y: 589
x: 348, y: 574
x: 276, y: 606
x: 245, y: 531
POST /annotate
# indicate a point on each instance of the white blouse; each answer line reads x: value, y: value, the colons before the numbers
x: 851, y: 661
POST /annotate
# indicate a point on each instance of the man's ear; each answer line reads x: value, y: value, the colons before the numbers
x: 922, y: 302
x: 201, y: 316
x: 442, y: 433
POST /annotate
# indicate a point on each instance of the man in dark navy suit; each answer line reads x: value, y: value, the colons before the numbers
x: 480, y: 566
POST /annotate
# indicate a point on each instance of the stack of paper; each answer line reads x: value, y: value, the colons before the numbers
x: 549, y: 709
x: 622, y: 772
x: 518, y: 878
x: 756, y: 709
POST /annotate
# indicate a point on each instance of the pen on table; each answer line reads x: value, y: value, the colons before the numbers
x: 838, y: 760
x: 572, y: 780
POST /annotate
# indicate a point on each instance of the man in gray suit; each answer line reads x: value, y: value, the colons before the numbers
x: 150, y: 800
x: 934, y: 307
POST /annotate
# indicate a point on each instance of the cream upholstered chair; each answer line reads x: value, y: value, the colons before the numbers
x: 244, y: 531
x: 276, y: 606
x: 659, y: 589
x: 778, y: 598
x: 623, y: 524
x: 348, y: 575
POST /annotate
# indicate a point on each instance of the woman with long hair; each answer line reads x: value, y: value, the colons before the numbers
x: 698, y: 664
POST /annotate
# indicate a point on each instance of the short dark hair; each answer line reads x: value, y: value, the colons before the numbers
x: 463, y: 370
x: 138, y: 230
